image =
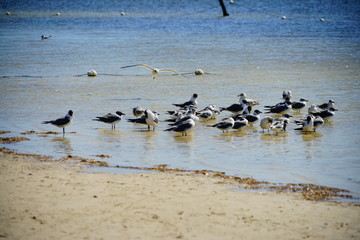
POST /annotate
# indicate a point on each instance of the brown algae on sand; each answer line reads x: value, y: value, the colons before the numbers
x: 310, y: 192
x: 8, y: 140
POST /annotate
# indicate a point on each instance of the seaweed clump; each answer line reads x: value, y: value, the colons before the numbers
x: 8, y: 140
x: 314, y: 192
x: 87, y: 161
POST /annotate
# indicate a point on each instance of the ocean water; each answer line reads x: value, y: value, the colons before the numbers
x: 253, y: 50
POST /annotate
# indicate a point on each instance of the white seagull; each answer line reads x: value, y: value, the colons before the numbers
x: 248, y: 102
x: 154, y: 71
x: 62, y: 122
x: 149, y: 118
x: 280, y: 124
x: 266, y: 122
x: 307, y: 124
x: 313, y: 109
x: 207, y: 113
x: 110, y: 118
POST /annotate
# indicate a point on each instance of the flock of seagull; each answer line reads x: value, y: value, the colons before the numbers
x: 184, y: 118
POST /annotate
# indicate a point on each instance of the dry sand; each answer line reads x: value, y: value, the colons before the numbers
x: 52, y: 200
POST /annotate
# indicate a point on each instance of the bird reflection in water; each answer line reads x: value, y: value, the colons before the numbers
x: 63, y: 145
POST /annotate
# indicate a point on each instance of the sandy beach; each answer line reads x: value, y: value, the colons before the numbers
x: 57, y: 200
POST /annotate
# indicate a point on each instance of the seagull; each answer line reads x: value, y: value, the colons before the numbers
x: 62, y: 122
x: 285, y: 118
x: 240, y: 123
x: 313, y: 109
x: 299, y: 105
x: 307, y: 124
x: 192, y: 101
x: 247, y: 101
x: 266, y: 122
x: 137, y: 111
x: 280, y: 108
x: 205, y: 114
x: 183, y: 127
x: 181, y: 118
x: 155, y: 71
x: 286, y: 95
x: 236, y: 108
x: 225, y: 124
x: 253, y: 118
x: 149, y: 118
x: 215, y: 110
x: 110, y: 118
x: 279, y: 126
x: 326, y: 106
x: 43, y: 37
x: 326, y: 114
x: 208, y: 113
x: 318, y: 122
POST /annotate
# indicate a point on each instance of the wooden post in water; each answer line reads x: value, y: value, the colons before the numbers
x: 225, y: 13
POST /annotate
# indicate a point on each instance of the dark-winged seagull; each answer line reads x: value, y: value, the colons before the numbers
x: 191, y: 102
x: 110, y: 118
x: 183, y: 127
x: 61, y: 122
x: 326, y: 106
x: 327, y: 114
x: 240, y: 123
x: 236, y: 108
x: 225, y: 124
x: 280, y: 108
x: 299, y: 105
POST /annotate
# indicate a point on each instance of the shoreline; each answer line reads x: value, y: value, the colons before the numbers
x: 46, y: 199
x: 308, y: 191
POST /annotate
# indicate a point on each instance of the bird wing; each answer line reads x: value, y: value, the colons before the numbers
x: 140, y: 65
x: 169, y: 70
x: 60, y: 121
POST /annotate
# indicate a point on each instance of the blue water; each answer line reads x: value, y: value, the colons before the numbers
x: 252, y: 51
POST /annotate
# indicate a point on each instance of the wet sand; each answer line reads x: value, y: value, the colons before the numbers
x: 59, y: 200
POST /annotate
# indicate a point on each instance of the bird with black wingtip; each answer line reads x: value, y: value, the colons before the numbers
x: 62, y: 122
x: 110, y: 118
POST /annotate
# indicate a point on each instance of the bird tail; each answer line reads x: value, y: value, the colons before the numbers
x: 169, y: 129
x: 221, y: 109
x: 132, y: 120
x: 46, y: 122
x: 299, y: 129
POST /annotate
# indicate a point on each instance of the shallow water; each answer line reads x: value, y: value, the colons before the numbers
x: 252, y: 51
